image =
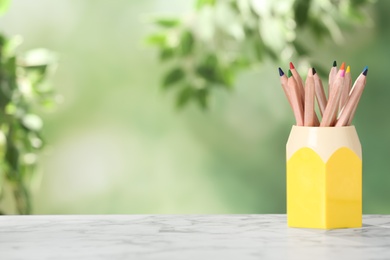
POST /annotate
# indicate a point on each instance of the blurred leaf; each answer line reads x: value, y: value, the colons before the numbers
x: 10, y: 45
x: 36, y: 74
x: 227, y: 36
x: 207, y: 72
x: 357, y: 3
x: 208, y: 68
x: 32, y: 122
x: 167, y: 53
x: 301, y: 11
x: 186, y: 43
x: 158, y: 39
x: 21, y: 195
x: 211, y: 71
x: 10, y: 67
x: 12, y: 157
x: 318, y: 28
x: 240, y: 63
x: 226, y: 77
x: 167, y: 22
x: 184, y: 96
x: 48, y: 103
x: 201, y: 97
x: 10, y: 109
x: 201, y: 3
x: 356, y: 14
x: 22, y: 88
x: 4, y: 6
x: 173, y: 77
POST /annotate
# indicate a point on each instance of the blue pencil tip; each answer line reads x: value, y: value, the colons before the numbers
x: 281, y: 73
x: 365, y: 70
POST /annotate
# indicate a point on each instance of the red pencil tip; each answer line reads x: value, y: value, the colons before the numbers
x: 342, y: 66
x: 291, y: 66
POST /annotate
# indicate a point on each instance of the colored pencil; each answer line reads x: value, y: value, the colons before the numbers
x: 320, y: 93
x: 309, y: 112
x: 330, y: 114
x: 332, y: 76
x: 346, y: 89
x: 283, y: 82
x: 295, y: 99
x: 301, y: 90
x: 337, y: 110
x: 349, y: 110
x: 299, y: 81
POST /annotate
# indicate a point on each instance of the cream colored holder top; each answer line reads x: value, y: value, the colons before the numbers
x: 323, y: 140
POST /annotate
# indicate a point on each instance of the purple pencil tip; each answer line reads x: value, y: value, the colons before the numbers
x: 281, y: 73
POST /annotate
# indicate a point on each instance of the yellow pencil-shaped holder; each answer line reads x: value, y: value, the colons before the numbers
x: 324, y: 178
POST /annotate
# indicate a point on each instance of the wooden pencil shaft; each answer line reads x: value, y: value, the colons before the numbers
x: 352, y: 114
x: 299, y: 81
x: 283, y: 82
x: 316, y: 120
x: 333, y: 103
x: 332, y: 77
x: 320, y: 94
x: 348, y: 112
x: 309, y: 112
x: 301, y: 92
x: 346, y: 90
x: 296, y: 101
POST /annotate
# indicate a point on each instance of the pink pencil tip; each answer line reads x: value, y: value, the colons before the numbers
x: 342, y: 73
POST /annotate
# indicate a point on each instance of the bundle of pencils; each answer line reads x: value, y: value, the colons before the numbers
x: 336, y: 109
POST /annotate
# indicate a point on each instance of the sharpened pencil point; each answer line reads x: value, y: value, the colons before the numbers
x: 342, y: 74
x: 291, y: 66
x: 281, y: 73
x: 334, y: 64
x: 289, y: 73
x: 365, y: 71
x: 313, y: 70
x: 342, y: 66
x: 348, y: 69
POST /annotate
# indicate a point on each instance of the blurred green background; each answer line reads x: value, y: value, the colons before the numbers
x: 118, y: 145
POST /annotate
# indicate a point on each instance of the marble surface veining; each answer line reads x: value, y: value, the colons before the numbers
x: 172, y: 237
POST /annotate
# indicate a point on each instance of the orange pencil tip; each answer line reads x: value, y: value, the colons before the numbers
x: 342, y: 66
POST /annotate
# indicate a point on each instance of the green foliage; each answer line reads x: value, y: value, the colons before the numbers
x: 23, y: 88
x: 4, y: 5
x: 207, y: 48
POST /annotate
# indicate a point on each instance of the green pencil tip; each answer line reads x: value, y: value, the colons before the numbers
x: 289, y: 73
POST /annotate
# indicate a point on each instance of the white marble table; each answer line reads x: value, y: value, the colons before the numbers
x: 184, y: 237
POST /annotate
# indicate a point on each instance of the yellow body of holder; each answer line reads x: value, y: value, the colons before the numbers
x: 324, y: 178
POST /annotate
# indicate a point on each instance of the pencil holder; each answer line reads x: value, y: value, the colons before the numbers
x: 324, y: 177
